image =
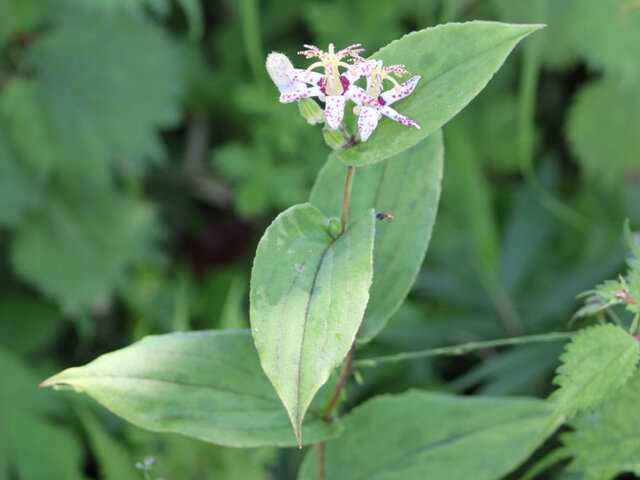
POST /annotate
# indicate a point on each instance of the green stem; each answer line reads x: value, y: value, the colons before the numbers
x: 328, y: 412
x: 347, y: 197
x: 348, y: 361
x: 634, y: 324
x: 463, y: 348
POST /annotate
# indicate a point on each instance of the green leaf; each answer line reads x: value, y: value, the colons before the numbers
x: 205, y: 384
x: 308, y: 295
x: 34, y: 447
x: 419, y: 435
x: 605, y: 443
x: 27, y: 325
x: 112, y: 457
x: 606, y: 150
x: 78, y: 248
x: 606, y: 33
x: 84, y: 108
x: 455, y: 61
x: 18, y: 190
x: 409, y: 189
x: 597, y: 361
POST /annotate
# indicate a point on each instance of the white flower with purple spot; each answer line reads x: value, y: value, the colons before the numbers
x: 332, y: 86
x: 369, y: 114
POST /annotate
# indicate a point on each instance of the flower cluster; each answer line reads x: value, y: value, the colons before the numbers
x: 335, y: 87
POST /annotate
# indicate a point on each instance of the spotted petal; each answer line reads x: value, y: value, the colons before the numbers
x: 334, y: 110
x: 299, y: 94
x: 398, y: 93
x: 359, y: 70
x: 391, y: 113
x: 359, y: 96
x: 367, y: 122
x: 307, y: 76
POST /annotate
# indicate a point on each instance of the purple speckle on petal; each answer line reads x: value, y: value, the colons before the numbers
x: 345, y: 82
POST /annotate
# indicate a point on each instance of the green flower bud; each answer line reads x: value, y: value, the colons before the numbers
x: 334, y: 138
x: 311, y: 111
x: 335, y: 227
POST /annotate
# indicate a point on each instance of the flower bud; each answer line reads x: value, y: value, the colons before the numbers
x: 334, y: 138
x: 280, y: 70
x: 311, y: 111
x: 335, y: 227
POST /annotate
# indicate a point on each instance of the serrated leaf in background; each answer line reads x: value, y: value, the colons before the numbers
x: 27, y: 325
x: 606, y: 442
x: 114, y: 461
x: 418, y: 435
x: 78, y: 248
x: 408, y: 187
x: 33, y: 446
x: 107, y: 84
x: 597, y: 362
x: 606, y: 34
x: 18, y: 190
x: 602, y: 129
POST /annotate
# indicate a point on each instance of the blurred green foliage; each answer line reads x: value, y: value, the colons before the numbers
x: 143, y: 150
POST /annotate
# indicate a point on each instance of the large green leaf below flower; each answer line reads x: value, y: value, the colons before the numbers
x: 206, y: 385
x: 455, y: 61
x: 308, y: 295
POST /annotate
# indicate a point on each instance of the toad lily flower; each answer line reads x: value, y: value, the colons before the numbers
x: 332, y: 87
x: 369, y: 114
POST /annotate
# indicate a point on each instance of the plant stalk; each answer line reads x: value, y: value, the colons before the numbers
x: 347, y: 197
x: 328, y: 412
x: 463, y: 348
x: 348, y: 361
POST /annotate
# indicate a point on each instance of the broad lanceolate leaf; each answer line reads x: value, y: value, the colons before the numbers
x: 597, y: 362
x: 455, y: 61
x: 308, y: 295
x: 206, y: 385
x: 407, y: 187
x: 606, y: 443
x: 419, y: 435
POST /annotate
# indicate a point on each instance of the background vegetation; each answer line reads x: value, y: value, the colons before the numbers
x: 143, y: 151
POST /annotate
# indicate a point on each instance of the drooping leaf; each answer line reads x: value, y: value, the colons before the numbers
x: 605, y: 443
x: 602, y: 132
x: 419, y: 435
x: 308, y: 295
x: 78, y: 248
x: 597, y: 361
x: 205, y: 384
x: 455, y: 61
x: 408, y: 187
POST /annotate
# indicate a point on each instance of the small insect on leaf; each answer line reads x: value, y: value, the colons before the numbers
x: 384, y: 216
